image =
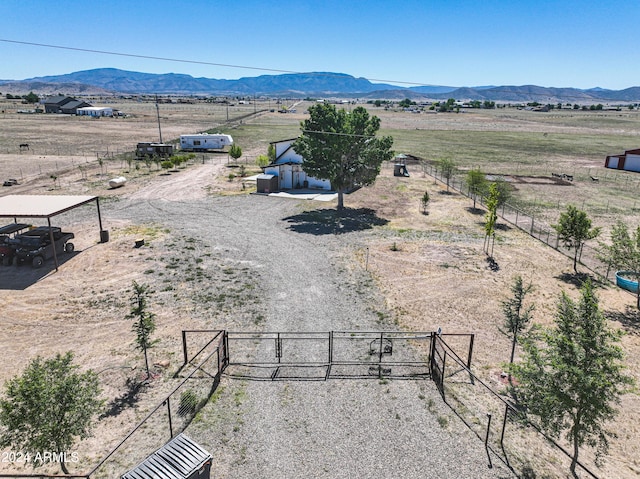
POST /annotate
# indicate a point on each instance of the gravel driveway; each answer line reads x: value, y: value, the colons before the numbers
x: 306, y: 281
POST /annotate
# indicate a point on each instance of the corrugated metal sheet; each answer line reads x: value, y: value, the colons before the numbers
x: 180, y: 458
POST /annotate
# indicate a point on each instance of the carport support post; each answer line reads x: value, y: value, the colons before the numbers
x: 53, y: 244
x: 99, y: 217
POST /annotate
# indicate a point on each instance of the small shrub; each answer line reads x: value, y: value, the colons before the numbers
x: 188, y: 402
x: 443, y: 421
x: 424, y: 202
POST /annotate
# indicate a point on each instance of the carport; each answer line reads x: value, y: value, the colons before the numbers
x: 47, y: 206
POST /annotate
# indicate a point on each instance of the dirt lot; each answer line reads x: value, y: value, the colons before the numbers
x: 409, y: 271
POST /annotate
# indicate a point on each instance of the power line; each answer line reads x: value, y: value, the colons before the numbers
x: 196, y: 62
x: 245, y: 67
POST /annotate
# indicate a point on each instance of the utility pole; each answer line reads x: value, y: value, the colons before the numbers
x: 158, y: 112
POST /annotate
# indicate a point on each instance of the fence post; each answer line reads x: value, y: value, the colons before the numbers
x: 504, y: 426
x: 169, y: 414
x: 184, y: 347
x: 486, y: 440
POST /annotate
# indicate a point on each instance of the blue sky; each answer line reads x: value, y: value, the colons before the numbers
x: 567, y: 43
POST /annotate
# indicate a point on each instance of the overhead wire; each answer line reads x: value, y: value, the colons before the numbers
x: 226, y: 65
x: 199, y: 62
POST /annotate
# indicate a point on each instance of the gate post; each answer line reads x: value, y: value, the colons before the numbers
x: 330, y: 348
x: 470, y: 351
x: 227, y: 354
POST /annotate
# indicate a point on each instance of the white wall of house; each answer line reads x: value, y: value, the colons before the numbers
x: 289, y: 168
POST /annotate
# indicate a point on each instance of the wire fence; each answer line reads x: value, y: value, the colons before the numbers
x: 508, y: 436
x: 587, y: 256
x: 199, y: 378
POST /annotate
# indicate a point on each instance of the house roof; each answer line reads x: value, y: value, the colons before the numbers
x: 74, y: 104
x: 282, y: 141
x: 276, y: 163
x: 58, y: 100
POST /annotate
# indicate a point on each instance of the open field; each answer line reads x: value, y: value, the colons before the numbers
x: 212, y: 265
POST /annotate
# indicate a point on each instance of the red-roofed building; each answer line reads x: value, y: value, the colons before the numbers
x: 629, y: 161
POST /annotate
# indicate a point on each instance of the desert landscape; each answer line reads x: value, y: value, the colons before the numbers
x: 219, y: 257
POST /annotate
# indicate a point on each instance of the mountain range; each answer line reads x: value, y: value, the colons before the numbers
x: 105, y: 81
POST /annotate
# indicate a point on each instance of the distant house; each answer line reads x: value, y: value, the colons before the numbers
x: 288, y: 167
x: 95, y: 111
x: 629, y: 161
x: 63, y: 104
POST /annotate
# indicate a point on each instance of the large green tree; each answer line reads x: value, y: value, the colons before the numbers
x: 572, y: 375
x: 624, y: 251
x: 574, y: 228
x: 48, y: 408
x: 32, y: 98
x: 342, y: 147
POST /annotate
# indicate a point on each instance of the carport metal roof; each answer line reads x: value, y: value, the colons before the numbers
x: 40, y: 206
x: 44, y: 206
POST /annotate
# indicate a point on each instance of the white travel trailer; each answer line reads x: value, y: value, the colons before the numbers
x: 204, y: 141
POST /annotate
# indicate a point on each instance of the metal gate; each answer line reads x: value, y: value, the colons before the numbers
x: 437, y: 362
x: 325, y: 355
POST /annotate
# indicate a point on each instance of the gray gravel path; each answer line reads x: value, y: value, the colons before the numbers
x: 321, y: 429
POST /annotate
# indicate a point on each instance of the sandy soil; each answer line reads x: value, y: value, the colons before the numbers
x: 436, y: 276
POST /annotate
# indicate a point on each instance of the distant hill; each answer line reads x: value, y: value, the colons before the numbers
x: 315, y: 84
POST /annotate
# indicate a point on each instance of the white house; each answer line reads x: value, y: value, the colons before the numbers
x: 289, y: 168
x: 95, y: 111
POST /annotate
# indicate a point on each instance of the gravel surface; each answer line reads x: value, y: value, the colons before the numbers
x: 306, y: 280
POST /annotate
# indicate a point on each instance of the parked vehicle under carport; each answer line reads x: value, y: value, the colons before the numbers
x: 35, y: 245
x: 7, y: 233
